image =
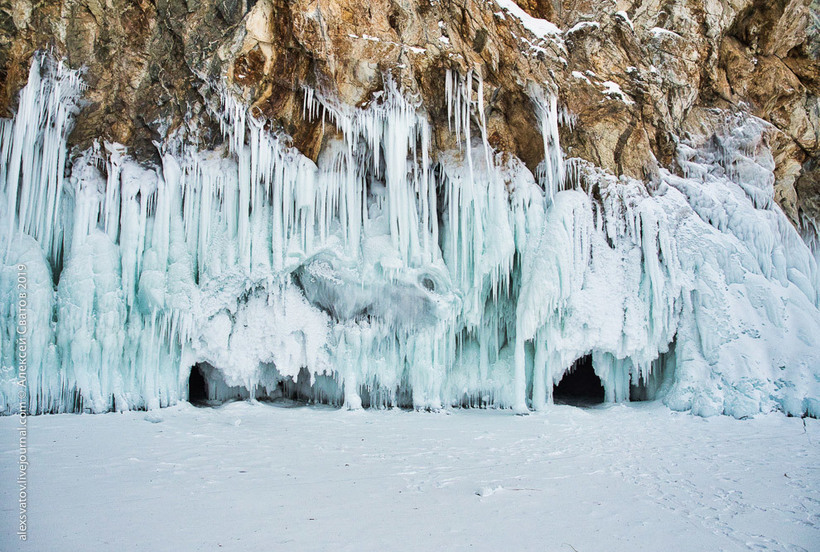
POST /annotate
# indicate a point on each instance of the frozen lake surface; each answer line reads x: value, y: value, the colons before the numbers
x: 289, y: 477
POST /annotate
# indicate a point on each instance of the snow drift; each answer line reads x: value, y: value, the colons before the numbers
x: 388, y: 273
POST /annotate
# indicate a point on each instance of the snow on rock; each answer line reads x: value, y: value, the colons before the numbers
x: 387, y: 273
x: 541, y: 28
x: 625, y: 18
x: 582, y: 26
x: 660, y: 32
x: 613, y: 90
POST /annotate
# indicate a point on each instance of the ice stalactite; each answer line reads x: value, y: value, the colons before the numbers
x: 33, y: 153
x: 389, y: 273
x: 32, y: 159
x: 160, y: 263
x: 551, y: 171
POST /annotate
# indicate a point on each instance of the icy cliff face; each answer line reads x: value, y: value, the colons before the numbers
x: 392, y: 271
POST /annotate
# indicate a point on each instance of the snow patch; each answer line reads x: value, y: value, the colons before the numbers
x: 661, y: 32
x: 541, y: 28
x: 623, y: 15
x: 583, y: 26
x: 580, y: 76
x: 613, y: 90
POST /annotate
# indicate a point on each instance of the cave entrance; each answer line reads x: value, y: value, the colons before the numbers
x: 580, y: 386
x: 197, y: 387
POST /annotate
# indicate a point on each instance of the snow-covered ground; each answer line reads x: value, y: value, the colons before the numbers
x: 289, y: 477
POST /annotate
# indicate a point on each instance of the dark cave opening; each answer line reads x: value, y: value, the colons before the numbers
x: 197, y: 387
x: 580, y: 386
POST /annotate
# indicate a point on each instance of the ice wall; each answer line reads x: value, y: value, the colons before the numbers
x: 392, y: 273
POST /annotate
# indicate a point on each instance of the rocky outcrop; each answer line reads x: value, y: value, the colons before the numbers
x: 632, y: 77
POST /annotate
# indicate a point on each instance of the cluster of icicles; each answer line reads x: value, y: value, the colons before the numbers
x: 384, y: 274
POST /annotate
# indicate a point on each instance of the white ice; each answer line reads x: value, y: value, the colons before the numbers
x: 388, y: 273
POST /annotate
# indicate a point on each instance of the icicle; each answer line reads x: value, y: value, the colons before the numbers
x: 552, y: 176
x: 33, y: 152
x: 258, y: 261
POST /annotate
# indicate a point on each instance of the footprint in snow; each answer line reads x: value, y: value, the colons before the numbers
x: 487, y: 491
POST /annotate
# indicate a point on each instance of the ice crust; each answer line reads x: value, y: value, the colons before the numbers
x: 388, y: 273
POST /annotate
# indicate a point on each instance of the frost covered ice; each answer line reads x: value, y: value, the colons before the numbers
x: 388, y: 273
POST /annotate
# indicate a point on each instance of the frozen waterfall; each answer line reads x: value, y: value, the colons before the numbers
x: 389, y: 273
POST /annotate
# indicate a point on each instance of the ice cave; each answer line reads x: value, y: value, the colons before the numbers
x: 389, y: 273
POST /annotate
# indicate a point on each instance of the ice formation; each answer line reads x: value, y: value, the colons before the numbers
x: 388, y: 273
